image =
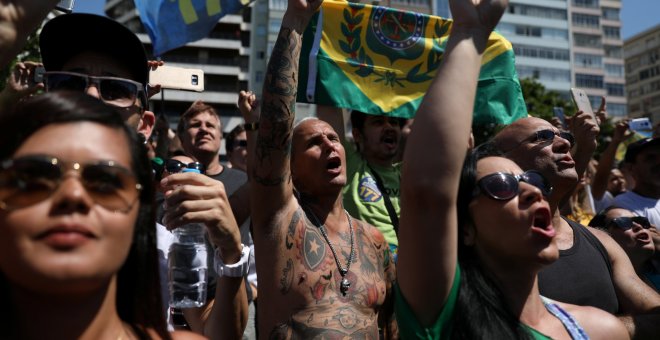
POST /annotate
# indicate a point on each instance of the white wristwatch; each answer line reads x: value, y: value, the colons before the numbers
x: 238, y: 269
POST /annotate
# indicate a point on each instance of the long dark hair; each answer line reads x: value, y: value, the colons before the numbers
x: 138, y: 289
x: 481, y: 311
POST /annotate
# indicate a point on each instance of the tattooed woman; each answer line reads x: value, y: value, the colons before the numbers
x: 472, y: 241
x: 324, y: 274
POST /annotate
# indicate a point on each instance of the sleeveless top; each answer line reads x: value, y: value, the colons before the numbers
x: 582, y: 275
x: 572, y: 327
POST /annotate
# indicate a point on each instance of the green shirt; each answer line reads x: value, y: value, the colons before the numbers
x: 410, y: 328
x: 363, y: 200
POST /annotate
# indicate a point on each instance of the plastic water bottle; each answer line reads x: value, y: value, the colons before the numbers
x: 188, y: 267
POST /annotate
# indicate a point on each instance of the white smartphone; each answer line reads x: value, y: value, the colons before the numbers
x: 65, y: 6
x: 177, y: 78
x: 640, y: 124
x: 581, y: 100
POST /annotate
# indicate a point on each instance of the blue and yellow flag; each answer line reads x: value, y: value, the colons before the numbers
x: 174, y: 23
x: 381, y: 61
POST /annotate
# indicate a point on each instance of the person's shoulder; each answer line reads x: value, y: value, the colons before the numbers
x: 598, y: 323
x: 375, y: 235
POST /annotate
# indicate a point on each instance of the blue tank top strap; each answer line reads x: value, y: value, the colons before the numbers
x: 574, y: 330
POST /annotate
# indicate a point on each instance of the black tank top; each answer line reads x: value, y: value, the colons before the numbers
x: 582, y: 275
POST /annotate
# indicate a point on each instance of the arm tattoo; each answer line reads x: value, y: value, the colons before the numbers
x: 273, y: 146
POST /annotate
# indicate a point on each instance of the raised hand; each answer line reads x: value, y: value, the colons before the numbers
x: 21, y: 82
x: 298, y: 13
x: 248, y: 105
x: 477, y: 14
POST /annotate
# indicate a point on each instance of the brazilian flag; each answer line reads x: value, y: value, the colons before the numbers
x: 381, y: 61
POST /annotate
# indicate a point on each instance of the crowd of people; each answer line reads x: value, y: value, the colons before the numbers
x: 311, y: 234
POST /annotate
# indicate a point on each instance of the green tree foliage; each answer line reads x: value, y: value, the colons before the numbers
x: 540, y: 102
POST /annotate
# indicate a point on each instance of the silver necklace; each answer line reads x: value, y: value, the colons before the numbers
x: 345, y: 284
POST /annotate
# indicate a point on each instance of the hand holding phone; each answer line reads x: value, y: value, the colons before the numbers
x: 581, y: 100
x: 177, y: 78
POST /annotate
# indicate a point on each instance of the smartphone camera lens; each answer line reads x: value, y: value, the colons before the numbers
x: 194, y: 80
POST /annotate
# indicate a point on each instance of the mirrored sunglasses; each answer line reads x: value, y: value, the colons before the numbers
x: 502, y: 186
x: 625, y: 223
x: 174, y: 166
x: 549, y: 135
x: 115, y: 91
x: 29, y: 180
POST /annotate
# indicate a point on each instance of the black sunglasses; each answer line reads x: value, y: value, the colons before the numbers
x: 115, y: 91
x: 174, y: 166
x: 502, y: 186
x: 28, y: 180
x: 549, y: 135
x: 625, y: 223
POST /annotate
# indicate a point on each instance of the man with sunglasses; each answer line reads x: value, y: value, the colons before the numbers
x: 236, y: 146
x: 592, y: 269
x: 634, y: 234
x: 642, y: 160
x: 97, y: 55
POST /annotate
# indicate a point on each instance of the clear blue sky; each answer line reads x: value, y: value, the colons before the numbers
x: 637, y: 15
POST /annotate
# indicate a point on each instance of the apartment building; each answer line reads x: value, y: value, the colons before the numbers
x: 642, y: 60
x: 539, y: 32
x: 597, y: 52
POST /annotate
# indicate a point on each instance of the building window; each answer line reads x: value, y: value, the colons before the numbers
x: 586, y: 3
x: 274, y: 26
x: 544, y: 73
x: 589, y: 81
x: 587, y: 40
x: 612, y: 32
x: 613, y: 51
x: 614, y: 70
x: 617, y: 110
x: 585, y: 20
x: 259, y: 77
x: 540, y: 52
x: 529, y: 31
x: 588, y: 60
x: 536, y: 11
x: 614, y: 89
x: 610, y: 13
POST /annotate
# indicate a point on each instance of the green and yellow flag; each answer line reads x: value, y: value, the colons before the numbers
x: 381, y: 61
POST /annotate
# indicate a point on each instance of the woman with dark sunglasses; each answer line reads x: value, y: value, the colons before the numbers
x: 77, y: 239
x: 635, y: 235
x: 472, y: 240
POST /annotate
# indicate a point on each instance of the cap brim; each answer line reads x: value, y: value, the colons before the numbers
x: 66, y: 36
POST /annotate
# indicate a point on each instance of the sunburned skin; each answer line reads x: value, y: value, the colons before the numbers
x: 308, y: 280
x: 299, y: 279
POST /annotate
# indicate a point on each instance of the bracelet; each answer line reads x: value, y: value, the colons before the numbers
x: 238, y: 269
x: 254, y: 126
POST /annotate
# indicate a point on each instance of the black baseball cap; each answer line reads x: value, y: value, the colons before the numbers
x: 68, y: 35
x: 635, y: 148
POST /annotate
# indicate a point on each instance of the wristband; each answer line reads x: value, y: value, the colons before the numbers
x: 251, y: 126
x: 238, y: 269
